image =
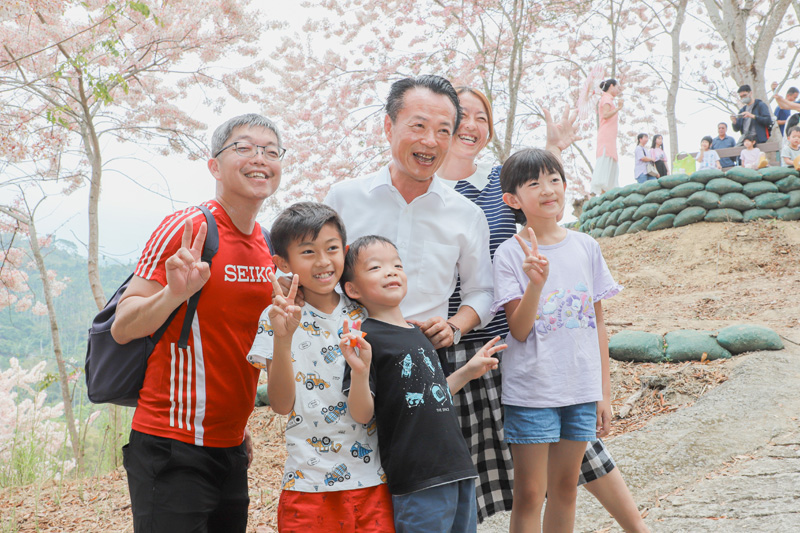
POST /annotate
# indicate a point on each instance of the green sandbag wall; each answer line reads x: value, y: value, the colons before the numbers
x: 710, y: 195
x: 692, y: 345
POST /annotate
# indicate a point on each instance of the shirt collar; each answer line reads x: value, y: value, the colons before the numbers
x: 383, y: 178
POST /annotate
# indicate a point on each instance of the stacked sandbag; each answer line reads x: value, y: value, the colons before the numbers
x: 262, y: 398
x: 710, y: 195
x: 691, y: 345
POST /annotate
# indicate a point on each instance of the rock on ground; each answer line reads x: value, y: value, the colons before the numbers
x: 730, y: 462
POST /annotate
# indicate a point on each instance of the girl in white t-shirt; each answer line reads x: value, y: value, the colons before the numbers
x: 556, y: 385
x: 751, y: 156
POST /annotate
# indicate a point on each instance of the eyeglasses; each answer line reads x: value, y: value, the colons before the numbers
x: 246, y: 149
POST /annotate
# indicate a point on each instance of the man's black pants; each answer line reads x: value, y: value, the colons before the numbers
x: 177, y: 487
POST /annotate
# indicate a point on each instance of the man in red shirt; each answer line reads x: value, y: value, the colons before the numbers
x: 189, y: 448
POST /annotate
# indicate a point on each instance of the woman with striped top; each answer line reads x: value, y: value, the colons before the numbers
x: 478, y: 404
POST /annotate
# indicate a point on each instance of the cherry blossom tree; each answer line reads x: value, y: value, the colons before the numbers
x: 524, y: 55
x: 669, y: 17
x: 16, y: 291
x: 744, y: 40
x: 120, y: 71
x: 33, y: 161
x: 331, y: 101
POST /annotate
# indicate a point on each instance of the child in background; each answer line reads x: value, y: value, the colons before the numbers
x: 790, y: 153
x: 332, y: 477
x: 658, y: 156
x: 706, y: 157
x: 752, y: 157
x: 397, y: 376
x: 556, y: 384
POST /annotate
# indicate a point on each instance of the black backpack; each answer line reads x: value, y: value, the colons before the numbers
x: 115, y: 372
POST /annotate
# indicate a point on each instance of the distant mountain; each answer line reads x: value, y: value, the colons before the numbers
x: 24, y: 335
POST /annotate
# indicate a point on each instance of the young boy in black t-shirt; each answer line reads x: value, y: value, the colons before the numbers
x: 397, y: 375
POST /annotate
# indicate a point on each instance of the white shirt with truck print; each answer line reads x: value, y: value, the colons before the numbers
x: 327, y: 450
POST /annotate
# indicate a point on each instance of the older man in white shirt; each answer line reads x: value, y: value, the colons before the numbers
x: 440, y: 234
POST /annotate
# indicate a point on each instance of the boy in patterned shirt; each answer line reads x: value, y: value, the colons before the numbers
x: 333, y: 476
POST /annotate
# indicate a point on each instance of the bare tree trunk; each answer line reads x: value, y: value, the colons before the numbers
x: 747, y: 61
x: 92, y: 150
x: 91, y: 146
x: 514, y: 76
x: 57, y: 350
x: 613, y: 21
x: 675, y: 80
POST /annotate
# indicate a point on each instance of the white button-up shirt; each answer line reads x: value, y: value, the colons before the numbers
x: 439, y: 236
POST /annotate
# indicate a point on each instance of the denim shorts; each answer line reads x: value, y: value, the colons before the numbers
x: 449, y: 507
x: 541, y: 425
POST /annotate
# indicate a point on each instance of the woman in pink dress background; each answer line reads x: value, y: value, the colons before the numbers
x: 606, y: 169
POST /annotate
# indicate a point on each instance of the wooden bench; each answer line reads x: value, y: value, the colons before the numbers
x: 772, y: 148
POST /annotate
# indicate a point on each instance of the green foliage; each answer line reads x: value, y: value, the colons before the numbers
x: 140, y: 7
x: 24, y: 335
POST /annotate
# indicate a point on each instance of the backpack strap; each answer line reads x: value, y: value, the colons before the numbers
x: 209, y: 251
x: 265, y: 233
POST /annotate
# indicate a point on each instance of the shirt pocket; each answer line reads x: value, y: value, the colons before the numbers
x: 438, y: 272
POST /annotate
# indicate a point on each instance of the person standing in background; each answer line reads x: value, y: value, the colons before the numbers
x: 782, y: 115
x: 658, y: 156
x: 641, y: 158
x: 754, y: 117
x: 606, y: 169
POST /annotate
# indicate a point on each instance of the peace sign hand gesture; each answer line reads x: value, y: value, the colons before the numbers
x: 186, y: 273
x: 483, y: 361
x: 360, y: 360
x: 535, y: 266
x: 284, y: 315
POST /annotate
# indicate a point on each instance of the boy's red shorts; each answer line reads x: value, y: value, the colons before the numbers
x: 367, y: 510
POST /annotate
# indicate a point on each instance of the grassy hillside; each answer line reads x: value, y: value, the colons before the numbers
x: 27, y: 337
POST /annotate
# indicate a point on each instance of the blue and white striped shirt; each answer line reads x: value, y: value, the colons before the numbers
x: 488, y: 195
